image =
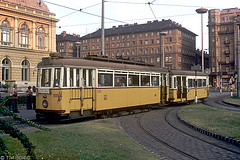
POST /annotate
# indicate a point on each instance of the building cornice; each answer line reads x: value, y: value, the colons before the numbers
x: 28, y: 12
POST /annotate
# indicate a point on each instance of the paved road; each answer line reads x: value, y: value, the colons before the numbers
x: 178, y: 136
x: 155, y: 123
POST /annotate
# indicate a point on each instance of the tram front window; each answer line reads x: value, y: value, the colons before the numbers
x: 46, y: 78
x: 57, y: 75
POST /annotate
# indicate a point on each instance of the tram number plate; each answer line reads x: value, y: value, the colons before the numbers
x: 43, y: 90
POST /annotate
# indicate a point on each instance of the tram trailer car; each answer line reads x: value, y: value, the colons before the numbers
x: 75, y: 87
x: 184, y: 85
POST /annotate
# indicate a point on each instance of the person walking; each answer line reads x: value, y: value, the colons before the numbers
x: 29, y: 98
x: 15, y: 99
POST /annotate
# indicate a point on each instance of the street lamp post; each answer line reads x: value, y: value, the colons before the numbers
x: 196, y: 68
x: 238, y: 57
x: 202, y: 11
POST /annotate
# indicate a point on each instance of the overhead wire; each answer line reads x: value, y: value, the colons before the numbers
x: 149, y: 4
x: 81, y: 10
x: 173, y: 5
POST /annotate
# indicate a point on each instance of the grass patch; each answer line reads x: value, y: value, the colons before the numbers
x: 99, y: 139
x: 233, y: 100
x: 216, y: 120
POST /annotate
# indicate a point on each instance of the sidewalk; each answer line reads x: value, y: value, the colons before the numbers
x: 27, y: 114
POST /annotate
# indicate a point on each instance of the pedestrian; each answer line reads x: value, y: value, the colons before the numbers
x: 34, y: 97
x: 29, y: 98
x: 15, y: 99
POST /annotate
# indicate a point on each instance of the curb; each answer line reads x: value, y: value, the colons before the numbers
x: 208, y: 133
x: 236, y: 105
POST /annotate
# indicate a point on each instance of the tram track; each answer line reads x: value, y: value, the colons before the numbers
x: 163, y: 142
x: 196, y: 137
x: 219, y: 103
x: 161, y: 132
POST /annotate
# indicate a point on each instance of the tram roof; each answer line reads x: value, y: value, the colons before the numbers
x: 101, y: 63
x: 188, y: 73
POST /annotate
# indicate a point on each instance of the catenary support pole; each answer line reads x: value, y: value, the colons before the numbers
x: 102, y: 36
x: 238, y: 63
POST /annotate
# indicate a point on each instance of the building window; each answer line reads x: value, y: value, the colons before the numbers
x: 146, y: 34
x: 24, y: 35
x: 6, y: 69
x: 5, y: 32
x: 146, y: 41
x: 41, y: 33
x: 25, y: 70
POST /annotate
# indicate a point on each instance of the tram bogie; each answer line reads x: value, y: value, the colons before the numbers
x: 75, y: 87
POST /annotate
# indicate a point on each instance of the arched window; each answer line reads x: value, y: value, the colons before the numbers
x: 6, y: 69
x: 24, y: 35
x: 41, y: 38
x: 5, y: 32
x: 25, y: 70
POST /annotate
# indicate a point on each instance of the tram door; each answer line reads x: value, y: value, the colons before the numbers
x: 82, y: 91
x: 164, y: 88
x: 179, y: 87
x: 184, y: 86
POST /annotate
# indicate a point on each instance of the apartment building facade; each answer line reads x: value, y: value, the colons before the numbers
x: 222, y: 27
x: 67, y: 44
x: 28, y: 33
x: 148, y: 43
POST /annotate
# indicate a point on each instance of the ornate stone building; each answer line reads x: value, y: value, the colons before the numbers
x: 142, y: 42
x: 28, y: 33
x: 222, y: 25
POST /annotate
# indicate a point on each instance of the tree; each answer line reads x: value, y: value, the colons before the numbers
x: 7, y: 127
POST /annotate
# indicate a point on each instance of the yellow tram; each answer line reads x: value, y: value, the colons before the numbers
x: 77, y: 87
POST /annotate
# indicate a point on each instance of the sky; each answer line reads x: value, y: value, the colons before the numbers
x: 120, y: 12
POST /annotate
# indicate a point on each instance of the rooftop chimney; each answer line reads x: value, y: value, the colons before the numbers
x: 63, y: 34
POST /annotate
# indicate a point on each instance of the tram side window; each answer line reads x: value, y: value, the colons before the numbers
x: 120, y: 80
x: 155, y: 81
x: 170, y: 82
x: 46, y: 78
x: 57, y: 75
x: 71, y: 77
x: 145, y: 80
x: 199, y: 83
x: 90, y: 77
x: 133, y: 80
x: 204, y: 83
x: 190, y: 83
x: 105, y: 80
x: 84, y: 78
x: 175, y: 82
x: 65, y: 78
x: 77, y: 77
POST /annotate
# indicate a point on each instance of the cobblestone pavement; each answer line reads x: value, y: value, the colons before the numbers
x: 215, y: 100
x: 199, y: 147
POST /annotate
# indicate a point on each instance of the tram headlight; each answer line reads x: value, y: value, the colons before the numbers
x: 45, y: 104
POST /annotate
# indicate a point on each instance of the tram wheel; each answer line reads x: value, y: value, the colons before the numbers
x: 38, y: 116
